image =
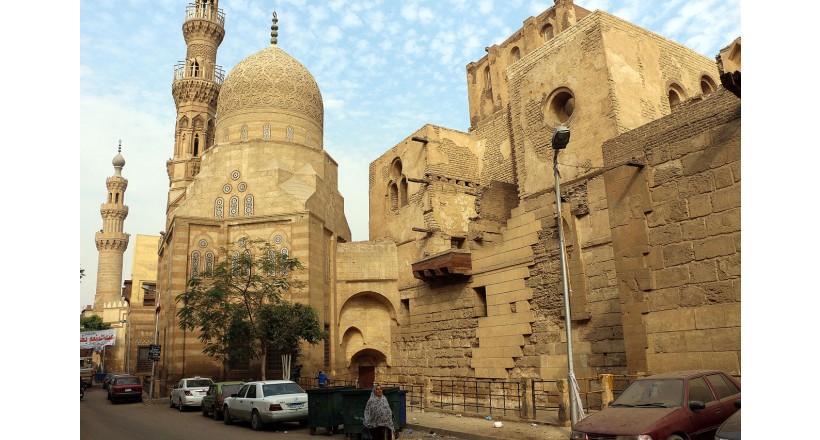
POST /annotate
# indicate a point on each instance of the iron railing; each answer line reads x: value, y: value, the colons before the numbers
x: 204, y: 12
x: 477, y: 396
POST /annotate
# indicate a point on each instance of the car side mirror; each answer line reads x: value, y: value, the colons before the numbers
x: 695, y: 405
x: 233, y: 395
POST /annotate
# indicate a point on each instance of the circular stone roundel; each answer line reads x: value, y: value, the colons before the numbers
x: 241, y: 187
x: 227, y: 188
x: 235, y: 175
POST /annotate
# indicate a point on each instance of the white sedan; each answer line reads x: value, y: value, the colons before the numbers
x: 267, y: 401
x: 189, y: 392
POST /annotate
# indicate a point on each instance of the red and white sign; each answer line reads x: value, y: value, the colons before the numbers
x: 98, y: 339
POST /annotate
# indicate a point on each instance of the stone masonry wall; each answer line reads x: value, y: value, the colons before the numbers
x: 678, y: 239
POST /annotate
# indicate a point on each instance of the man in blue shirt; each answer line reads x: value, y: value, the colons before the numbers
x: 322, y: 379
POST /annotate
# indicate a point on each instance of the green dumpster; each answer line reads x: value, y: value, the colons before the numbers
x: 353, y: 404
x: 325, y: 408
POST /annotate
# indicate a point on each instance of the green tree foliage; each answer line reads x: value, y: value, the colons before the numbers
x: 92, y: 323
x: 224, y: 305
x: 285, y: 325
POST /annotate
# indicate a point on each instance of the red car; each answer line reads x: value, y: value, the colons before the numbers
x: 681, y: 405
x: 125, y: 388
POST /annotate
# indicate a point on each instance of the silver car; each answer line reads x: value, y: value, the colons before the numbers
x: 189, y: 392
x: 269, y: 401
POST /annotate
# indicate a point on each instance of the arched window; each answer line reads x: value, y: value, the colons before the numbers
x: 209, y: 262
x: 243, y: 133
x: 195, y: 264
x: 547, y: 32
x: 266, y: 132
x: 249, y: 205
x: 273, y: 261
x: 515, y: 54
x: 194, y: 69
x: 707, y: 85
x: 248, y: 261
x: 285, y: 253
x: 234, y: 206
x: 219, y: 208
x: 676, y: 96
x: 225, y: 135
x: 403, y: 192
x: 196, y: 145
x: 488, y: 82
x: 289, y: 133
x: 394, y: 196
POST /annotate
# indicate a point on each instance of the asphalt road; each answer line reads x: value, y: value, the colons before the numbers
x: 100, y: 419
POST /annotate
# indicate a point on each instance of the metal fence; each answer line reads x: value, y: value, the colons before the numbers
x: 477, y: 396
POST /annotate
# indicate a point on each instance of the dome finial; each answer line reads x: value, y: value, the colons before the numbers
x: 118, y: 161
x: 274, y: 30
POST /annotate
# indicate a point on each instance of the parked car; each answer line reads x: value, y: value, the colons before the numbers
x: 730, y: 429
x: 108, y: 377
x: 269, y: 401
x: 671, y: 406
x: 189, y: 392
x: 125, y: 387
x: 215, y: 397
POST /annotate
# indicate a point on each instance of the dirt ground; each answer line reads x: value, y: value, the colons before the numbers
x: 433, y: 425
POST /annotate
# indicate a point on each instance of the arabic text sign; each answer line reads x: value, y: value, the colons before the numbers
x: 97, y: 339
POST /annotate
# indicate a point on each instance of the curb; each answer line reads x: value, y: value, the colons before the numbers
x: 457, y: 434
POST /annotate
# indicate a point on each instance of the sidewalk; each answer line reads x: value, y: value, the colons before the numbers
x: 450, y: 426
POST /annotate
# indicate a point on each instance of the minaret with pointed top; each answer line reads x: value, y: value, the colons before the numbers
x: 196, y: 85
x: 111, y: 240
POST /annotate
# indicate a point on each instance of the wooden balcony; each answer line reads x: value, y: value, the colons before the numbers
x: 450, y: 265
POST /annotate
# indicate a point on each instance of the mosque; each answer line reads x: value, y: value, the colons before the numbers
x: 461, y: 277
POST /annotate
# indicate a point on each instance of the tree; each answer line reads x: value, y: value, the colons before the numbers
x: 92, y: 323
x: 224, y: 304
x: 284, y: 325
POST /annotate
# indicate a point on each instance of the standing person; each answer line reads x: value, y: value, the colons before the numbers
x: 297, y: 372
x: 322, y: 379
x: 378, y: 418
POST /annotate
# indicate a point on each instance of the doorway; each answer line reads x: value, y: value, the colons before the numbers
x: 367, y: 375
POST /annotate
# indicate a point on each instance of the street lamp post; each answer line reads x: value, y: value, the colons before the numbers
x: 560, y: 139
x: 156, y: 335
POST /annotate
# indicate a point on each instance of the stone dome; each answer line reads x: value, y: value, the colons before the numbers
x: 269, y: 86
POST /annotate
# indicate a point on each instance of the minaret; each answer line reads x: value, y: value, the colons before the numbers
x: 111, y: 240
x: 195, y: 89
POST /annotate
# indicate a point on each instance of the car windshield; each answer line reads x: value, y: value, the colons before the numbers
x: 127, y: 381
x: 227, y: 390
x: 275, y: 389
x: 199, y: 383
x: 650, y: 393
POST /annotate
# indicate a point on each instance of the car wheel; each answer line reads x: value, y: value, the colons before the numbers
x: 227, y: 415
x: 204, y: 411
x: 180, y: 406
x: 172, y: 402
x: 675, y: 437
x: 256, y: 421
x: 217, y: 414
x: 139, y: 399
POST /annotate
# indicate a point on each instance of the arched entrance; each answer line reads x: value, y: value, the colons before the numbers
x: 365, y: 364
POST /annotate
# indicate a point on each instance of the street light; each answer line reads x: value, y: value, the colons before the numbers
x: 560, y: 139
x: 156, y: 334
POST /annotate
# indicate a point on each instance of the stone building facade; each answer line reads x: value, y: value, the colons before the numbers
x: 461, y: 277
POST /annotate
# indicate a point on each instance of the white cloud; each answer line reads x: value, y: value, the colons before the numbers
x: 350, y: 19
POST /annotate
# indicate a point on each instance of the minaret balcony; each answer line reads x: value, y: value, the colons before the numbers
x: 205, y: 12
x: 450, y: 265
x: 183, y: 71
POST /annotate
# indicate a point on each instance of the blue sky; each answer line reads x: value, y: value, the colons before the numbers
x: 385, y: 68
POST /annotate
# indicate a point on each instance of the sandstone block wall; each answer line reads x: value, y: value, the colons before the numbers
x: 678, y: 237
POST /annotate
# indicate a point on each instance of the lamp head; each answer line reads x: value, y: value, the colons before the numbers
x: 560, y: 138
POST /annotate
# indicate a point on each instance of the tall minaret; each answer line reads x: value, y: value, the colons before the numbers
x: 111, y: 240
x: 195, y: 89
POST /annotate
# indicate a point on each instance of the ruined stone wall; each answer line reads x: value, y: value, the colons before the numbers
x: 494, y: 138
x: 676, y: 234
x: 436, y: 334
